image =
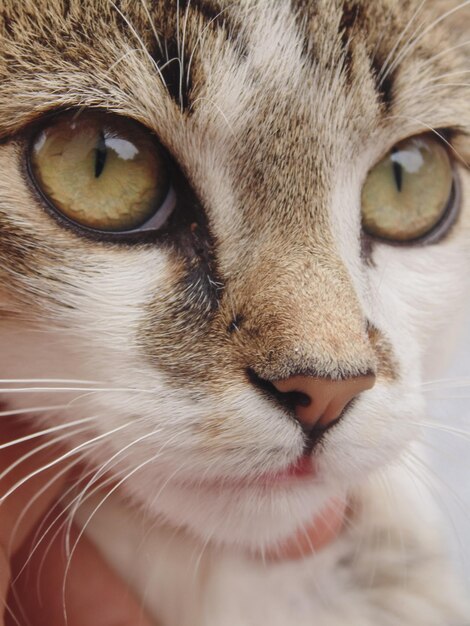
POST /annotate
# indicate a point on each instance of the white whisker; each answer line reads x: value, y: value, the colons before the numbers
x: 28, y: 506
x: 384, y: 70
x: 219, y: 110
x: 445, y: 382
x: 101, y: 470
x: 57, y: 389
x: 435, y: 79
x: 201, y: 38
x: 140, y: 41
x: 48, y: 444
x: 61, y: 458
x: 98, y: 506
x: 415, y: 40
x: 123, y: 57
x: 181, y: 53
x: 33, y: 410
x: 152, y: 24
x: 443, y: 428
x: 41, y: 536
x: 49, y: 380
x: 433, y: 59
x: 434, y: 89
x: 46, y: 431
x: 433, y: 131
x: 10, y: 612
x: 411, y: 463
x: 428, y: 472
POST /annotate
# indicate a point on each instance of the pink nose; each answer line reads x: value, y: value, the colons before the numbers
x: 327, y: 398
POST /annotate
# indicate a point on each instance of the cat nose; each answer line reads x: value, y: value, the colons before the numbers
x: 320, y: 402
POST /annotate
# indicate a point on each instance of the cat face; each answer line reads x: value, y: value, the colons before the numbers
x: 270, y: 117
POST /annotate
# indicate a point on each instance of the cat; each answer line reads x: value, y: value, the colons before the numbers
x: 233, y: 239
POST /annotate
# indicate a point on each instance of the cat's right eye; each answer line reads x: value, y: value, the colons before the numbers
x: 103, y: 172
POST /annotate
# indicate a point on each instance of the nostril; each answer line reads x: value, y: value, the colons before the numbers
x: 288, y: 399
x: 314, y: 434
x: 302, y: 399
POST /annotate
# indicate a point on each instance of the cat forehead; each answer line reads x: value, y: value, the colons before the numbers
x: 276, y: 93
x: 172, y: 59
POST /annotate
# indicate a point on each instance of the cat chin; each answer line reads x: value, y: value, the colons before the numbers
x: 251, y: 518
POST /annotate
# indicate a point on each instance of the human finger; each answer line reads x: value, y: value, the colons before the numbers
x: 311, y: 538
x: 83, y: 591
x: 32, y: 477
x: 29, y: 484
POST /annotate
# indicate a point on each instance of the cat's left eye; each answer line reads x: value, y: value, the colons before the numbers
x: 410, y: 195
x: 103, y: 172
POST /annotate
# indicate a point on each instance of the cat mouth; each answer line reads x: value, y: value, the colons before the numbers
x: 302, y: 470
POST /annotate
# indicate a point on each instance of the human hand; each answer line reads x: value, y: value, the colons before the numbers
x: 308, y: 540
x: 33, y: 594
x: 32, y: 573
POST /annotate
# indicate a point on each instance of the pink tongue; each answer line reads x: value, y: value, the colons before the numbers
x: 324, y: 529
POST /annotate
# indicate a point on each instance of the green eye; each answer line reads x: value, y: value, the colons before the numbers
x: 102, y: 171
x: 408, y: 193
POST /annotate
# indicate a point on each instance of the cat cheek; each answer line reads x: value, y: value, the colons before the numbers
x: 377, y: 431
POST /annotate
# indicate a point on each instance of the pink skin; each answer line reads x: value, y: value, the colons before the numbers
x: 323, y: 530
x: 94, y: 594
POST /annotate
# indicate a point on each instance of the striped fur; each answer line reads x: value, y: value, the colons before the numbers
x: 274, y: 111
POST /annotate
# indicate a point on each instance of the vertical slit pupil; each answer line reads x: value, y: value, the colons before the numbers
x: 100, y: 155
x: 397, y: 172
